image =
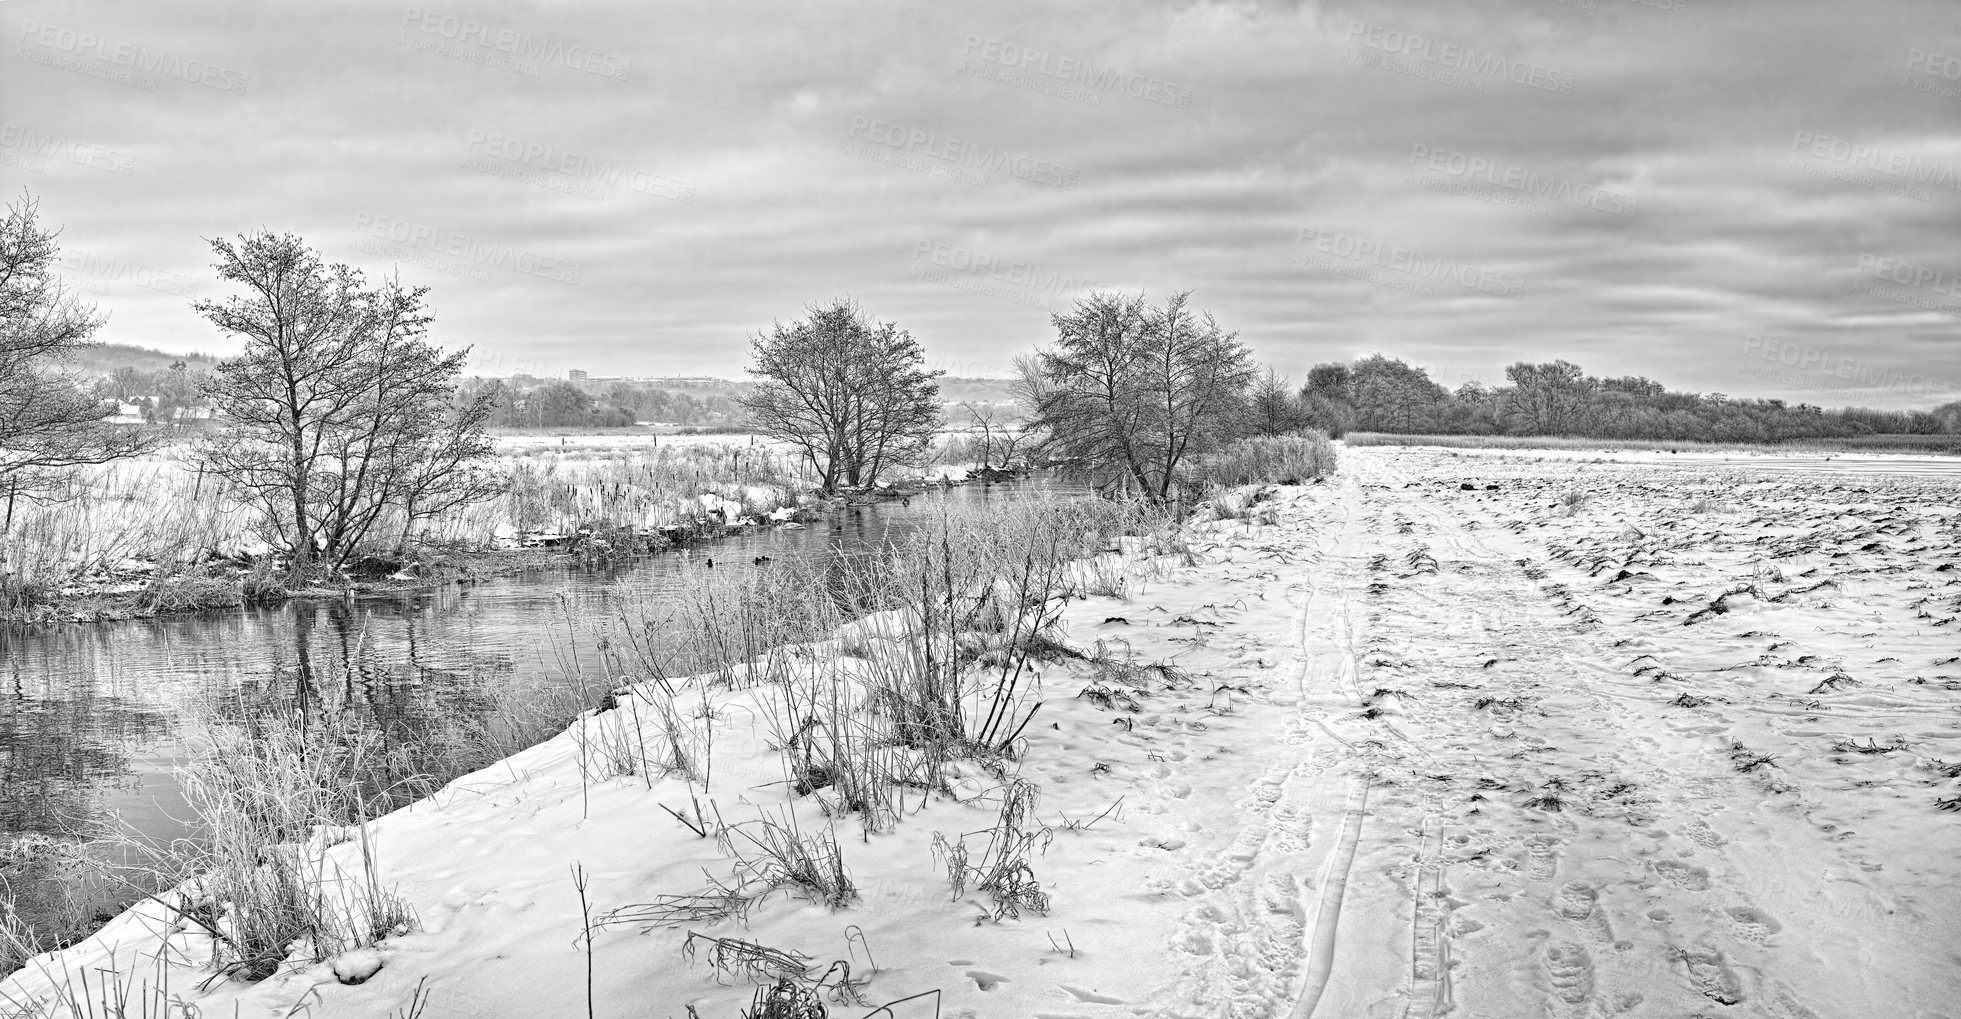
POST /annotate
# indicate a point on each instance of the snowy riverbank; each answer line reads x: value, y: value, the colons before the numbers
x: 1606, y: 739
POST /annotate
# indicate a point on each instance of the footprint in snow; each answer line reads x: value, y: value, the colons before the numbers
x: 1712, y: 976
x: 1703, y: 835
x: 1683, y: 875
x: 1753, y: 924
x: 1542, y: 856
x: 1576, y: 901
x: 1570, y: 970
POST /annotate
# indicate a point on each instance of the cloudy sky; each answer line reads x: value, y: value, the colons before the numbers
x: 1757, y: 198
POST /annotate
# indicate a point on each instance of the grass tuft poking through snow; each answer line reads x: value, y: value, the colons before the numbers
x: 1001, y: 869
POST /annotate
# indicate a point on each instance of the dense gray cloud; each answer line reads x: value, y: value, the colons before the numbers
x: 1672, y: 187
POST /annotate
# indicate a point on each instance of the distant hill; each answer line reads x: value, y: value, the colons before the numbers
x: 952, y: 389
x: 105, y: 358
x: 998, y: 391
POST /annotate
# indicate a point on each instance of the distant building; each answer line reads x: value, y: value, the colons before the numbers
x: 575, y: 375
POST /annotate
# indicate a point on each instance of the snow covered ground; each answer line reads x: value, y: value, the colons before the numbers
x: 1606, y: 739
x: 1919, y: 464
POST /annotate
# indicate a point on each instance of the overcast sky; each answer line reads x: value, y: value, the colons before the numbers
x: 1756, y: 198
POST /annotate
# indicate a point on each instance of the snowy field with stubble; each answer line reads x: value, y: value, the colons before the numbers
x: 1449, y: 733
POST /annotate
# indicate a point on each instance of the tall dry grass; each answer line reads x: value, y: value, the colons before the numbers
x: 156, y: 532
x: 130, y: 523
x: 271, y: 797
x: 1530, y: 442
x: 879, y: 667
x: 1267, y: 460
x: 642, y: 489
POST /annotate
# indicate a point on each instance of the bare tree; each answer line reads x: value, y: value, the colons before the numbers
x: 48, y: 421
x: 1000, y: 437
x: 1546, y: 399
x: 1328, y: 398
x: 1332, y: 379
x: 1129, y: 392
x: 1391, y: 396
x: 344, y: 421
x: 851, y: 394
x: 1087, y: 392
x: 1273, y: 407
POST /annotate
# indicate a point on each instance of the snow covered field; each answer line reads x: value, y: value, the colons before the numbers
x: 1479, y: 736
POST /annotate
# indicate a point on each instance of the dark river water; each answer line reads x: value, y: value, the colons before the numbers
x: 88, y: 712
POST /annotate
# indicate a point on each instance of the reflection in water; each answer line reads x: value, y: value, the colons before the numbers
x: 88, y: 714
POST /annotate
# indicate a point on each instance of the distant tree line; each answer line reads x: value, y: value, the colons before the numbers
x: 525, y: 402
x: 177, y: 395
x: 1384, y: 394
